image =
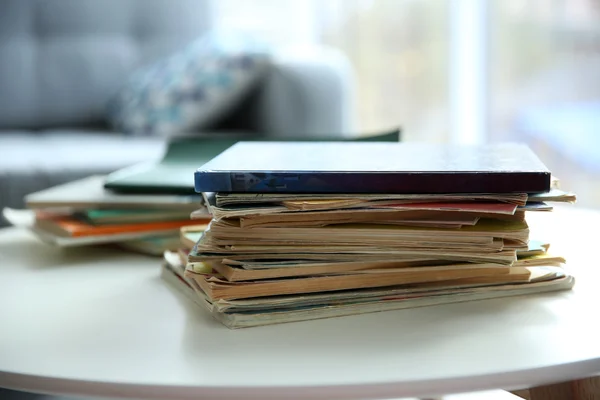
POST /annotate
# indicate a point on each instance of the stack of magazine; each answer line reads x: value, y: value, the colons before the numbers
x: 84, y: 212
x: 303, y: 231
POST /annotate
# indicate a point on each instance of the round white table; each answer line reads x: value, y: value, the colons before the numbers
x: 101, y: 322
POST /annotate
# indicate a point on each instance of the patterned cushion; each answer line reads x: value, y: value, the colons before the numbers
x: 191, y: 89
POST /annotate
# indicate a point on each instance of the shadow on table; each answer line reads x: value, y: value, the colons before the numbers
x: 7, y: 394
x: 371, y: 337
x: 25, y: 249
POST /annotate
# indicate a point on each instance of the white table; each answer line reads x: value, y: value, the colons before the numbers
x: 101, y: 322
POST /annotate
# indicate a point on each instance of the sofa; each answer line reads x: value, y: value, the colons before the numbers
x: 61, y: 60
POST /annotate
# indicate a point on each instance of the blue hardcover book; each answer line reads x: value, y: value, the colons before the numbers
x: 349, y: 167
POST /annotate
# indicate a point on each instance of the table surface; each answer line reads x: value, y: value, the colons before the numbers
x: 101, y: 322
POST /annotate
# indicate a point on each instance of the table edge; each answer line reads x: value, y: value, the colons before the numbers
x: 506, y: 380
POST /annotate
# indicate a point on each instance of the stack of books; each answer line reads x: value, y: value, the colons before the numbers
x: 84, y: 212
x: 292, y: 239
x: 140, y: 207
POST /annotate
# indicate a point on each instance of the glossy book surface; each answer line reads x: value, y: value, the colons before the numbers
x: 304, y: 167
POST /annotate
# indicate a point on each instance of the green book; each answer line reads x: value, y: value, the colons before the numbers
x: 174, y: 173
x: 132, y: 216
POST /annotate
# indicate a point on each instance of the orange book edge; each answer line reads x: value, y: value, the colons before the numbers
x: 77, y: 228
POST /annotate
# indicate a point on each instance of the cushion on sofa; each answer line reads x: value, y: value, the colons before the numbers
x: 190, y: 90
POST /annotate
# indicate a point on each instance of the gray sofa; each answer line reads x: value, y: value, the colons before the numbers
x: 60, y: 60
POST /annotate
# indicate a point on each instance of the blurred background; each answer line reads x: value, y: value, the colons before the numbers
x: 461, y: 70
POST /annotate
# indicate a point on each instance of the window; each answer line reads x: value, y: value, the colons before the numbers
x: 461, y: 70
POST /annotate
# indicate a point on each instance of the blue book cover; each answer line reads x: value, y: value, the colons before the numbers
x: 351, y: 167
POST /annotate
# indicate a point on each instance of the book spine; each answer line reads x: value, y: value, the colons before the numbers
x: 372, y: 182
